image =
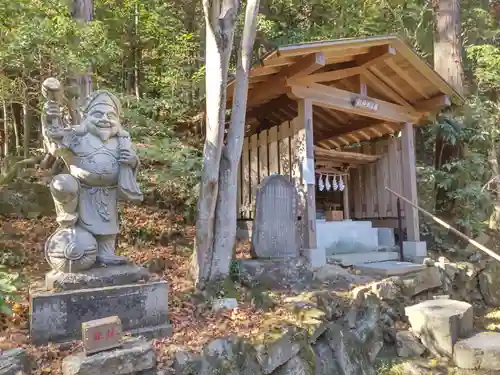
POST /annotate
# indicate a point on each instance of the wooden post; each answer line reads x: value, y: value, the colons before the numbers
x: 409, y: 174
x: 347, y: 213
x: 305, y: 153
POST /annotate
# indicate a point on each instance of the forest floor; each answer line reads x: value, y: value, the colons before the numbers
x: 149, y: 237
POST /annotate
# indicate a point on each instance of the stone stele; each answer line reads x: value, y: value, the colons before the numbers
x: 274, y: 233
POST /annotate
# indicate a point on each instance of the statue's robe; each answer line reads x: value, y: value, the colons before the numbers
x: 102, y: 178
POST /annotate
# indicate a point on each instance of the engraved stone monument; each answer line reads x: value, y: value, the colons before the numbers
x: 98, y: 166
x: 274, y: 233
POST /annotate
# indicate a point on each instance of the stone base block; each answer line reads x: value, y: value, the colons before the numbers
x: 132, y: 358
x: 58, y: 316
x: 96, y: 277
x: 440, y: 323
x: 315, y: 257
x: 275, y: 273
x: 386, y: 237
x: 414, y: 249
x: 481, y: 351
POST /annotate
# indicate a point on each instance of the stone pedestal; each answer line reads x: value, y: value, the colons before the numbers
x: 141, y: 305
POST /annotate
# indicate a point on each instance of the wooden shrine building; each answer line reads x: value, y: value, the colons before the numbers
x: 340, y: 108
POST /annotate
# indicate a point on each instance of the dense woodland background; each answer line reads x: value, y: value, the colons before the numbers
x: 152, y: 53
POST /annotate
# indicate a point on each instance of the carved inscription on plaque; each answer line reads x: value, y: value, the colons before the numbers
x: 274, y: 233
x: 101, y: 334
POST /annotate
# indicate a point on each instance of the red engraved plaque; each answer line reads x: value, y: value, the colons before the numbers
x: 101, y: 334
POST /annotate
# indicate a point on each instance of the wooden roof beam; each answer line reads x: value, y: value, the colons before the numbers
x: 433, y: 104
x: 386, y: 90
x: 377, y: 54
x: 341, y: 100
x: 334, y: 75
x: 400, y: 72
x: 277, y: 84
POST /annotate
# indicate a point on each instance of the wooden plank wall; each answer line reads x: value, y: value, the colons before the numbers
x: 263, y: 154
x: 369, y: 199
x: 271, y: 151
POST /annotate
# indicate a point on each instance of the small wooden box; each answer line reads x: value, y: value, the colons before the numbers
x: 101, y: 334
x: 334, y: 215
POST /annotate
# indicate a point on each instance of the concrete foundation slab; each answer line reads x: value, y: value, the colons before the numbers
x: 414, y: 249
x: 347, y: 236
x: 440, y: 323
x: 58, y: 316
x: 351, y: 259
x: 389, y: 268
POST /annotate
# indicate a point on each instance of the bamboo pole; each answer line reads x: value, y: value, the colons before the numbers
x: 448, y: 226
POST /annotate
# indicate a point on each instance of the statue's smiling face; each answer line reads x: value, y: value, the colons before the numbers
x: 103, y: 121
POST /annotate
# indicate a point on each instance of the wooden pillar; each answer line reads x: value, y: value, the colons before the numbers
x: 304, y: 151
x: 345, y: 195
x: 409, y: 177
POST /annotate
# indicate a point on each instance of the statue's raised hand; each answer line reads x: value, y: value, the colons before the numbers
x: 128, y: 157
x: 52, y: 110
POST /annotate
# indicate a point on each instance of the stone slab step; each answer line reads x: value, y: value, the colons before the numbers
x: 481, y: 351
x: 351, y: 259
x: 389, y: 268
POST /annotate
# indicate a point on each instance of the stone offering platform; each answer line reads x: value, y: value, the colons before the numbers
x: 57, y: 316
x: 389, y: 268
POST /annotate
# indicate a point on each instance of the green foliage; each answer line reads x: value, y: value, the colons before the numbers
x: 7, y: 289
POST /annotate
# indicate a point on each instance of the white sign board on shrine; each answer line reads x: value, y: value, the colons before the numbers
x: 274, y: 231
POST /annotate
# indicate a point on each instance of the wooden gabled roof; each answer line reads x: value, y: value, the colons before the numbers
x: 385, y: 66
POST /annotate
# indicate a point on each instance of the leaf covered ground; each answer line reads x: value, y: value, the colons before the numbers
x: 150, y: 237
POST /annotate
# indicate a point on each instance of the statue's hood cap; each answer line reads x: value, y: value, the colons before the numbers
x: 103, y: 97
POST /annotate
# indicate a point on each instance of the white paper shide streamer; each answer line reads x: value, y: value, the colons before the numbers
x: 327, y: 183
x: 341, y: 183
x: 321, y: 185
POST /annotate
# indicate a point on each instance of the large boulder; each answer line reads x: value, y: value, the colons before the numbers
x: 408, y: 345
x: 349, y: 353
x: 14, y: 361
x: 488, y: 283
x: 229, y: 356
x: 277, y: 345
x: 325, y: 363
x: 301, y: 364
x: 365, y: 323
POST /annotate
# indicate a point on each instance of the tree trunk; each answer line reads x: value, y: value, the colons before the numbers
x: 82, y: 11
x: 225, y: 214
x: 26, y: 131
x: 137, y: 52
x: 220, y: 19
x: 448, y: 63
x: 15, y: 126
x: 6, y: 135
x: 494, y: 221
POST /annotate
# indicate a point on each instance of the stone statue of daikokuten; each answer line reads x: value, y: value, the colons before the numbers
x: 100, y: 167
